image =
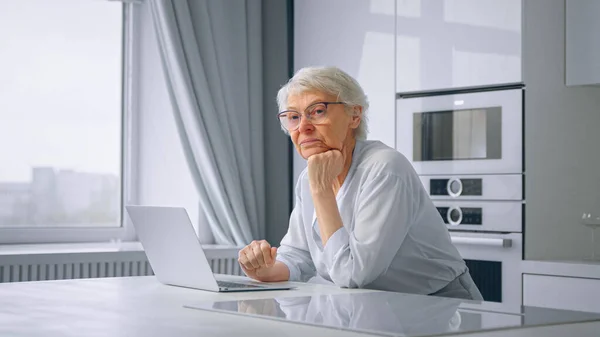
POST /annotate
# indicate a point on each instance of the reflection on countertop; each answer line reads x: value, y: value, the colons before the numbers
x: 395, y: 313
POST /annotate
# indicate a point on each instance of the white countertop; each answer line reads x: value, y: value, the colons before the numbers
x: 141, y: 306
x: 585, y: 269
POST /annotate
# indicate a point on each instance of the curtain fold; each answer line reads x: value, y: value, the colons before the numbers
x: 211, y: 54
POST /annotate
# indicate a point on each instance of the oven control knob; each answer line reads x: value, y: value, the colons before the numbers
x: 454, y: 187
x: 454, y: 216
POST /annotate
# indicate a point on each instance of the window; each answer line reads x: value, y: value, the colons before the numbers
x: 62, y: 120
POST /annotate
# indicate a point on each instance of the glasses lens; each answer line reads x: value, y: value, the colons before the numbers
x: 289, y: 120
x: 317, y: 112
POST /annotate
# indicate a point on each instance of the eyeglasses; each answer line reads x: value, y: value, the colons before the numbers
x: 315, y: 113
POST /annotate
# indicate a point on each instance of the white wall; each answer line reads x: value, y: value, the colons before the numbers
x: 163, y: 177
x: 562, y: 141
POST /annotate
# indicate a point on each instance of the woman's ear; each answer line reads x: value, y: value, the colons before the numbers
x: 356, y: 117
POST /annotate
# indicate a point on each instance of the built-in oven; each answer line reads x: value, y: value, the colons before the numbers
x: 467, y: 147
x: 462, y: 132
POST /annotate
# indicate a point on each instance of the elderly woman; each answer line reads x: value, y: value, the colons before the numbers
x: 362, y: 217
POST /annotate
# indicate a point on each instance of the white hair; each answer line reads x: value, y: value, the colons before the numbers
x: 332, y: 81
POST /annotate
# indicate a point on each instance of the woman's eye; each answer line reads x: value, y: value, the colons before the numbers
x: 318, y: 110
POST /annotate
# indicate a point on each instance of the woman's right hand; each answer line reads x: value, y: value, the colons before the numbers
x: 257, y: 258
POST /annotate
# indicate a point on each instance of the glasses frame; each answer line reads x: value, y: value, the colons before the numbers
x: 305, y: 113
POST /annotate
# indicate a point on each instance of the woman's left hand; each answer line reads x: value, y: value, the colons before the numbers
x: 323, y: 168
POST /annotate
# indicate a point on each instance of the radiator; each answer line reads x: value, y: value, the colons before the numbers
x: 63, y: 271
x: 73, y: 265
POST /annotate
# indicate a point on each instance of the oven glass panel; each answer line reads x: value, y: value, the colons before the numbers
x: 471, y: 187
x: 444, y: 213
x: 438, y: 187
x: 457, y: 134
x: 487, y: 275
x: 470, y: 216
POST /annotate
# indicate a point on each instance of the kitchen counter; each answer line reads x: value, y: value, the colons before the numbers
x: 385, y: 313
x: 141, y: 306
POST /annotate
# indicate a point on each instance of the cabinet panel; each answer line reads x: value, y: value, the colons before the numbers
x: 457, y: 43
x: 582, y: 42
x: 571, y: 293
x: 358, y: 37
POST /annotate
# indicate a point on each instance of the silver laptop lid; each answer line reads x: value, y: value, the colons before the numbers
x: 172, y: 247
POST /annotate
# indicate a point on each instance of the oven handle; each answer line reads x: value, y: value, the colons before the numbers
x: 490, y: 242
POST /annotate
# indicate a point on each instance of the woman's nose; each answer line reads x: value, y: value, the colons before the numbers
x: 305, y: 125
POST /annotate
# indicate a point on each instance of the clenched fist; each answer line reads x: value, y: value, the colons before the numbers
x: 323, y: 168
x: 257, y: 258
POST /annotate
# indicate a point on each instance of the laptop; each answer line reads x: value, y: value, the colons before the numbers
x: 176, y: 255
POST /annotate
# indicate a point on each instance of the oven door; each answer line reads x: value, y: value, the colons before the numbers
x: 469, y: 133
x: 494, y: 262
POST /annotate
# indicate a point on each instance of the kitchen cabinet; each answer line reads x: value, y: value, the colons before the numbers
x: 560, y: 292
x: 358, y: 37
x: 360, y: 41
x: 457, y: 43
x: 582, y: 42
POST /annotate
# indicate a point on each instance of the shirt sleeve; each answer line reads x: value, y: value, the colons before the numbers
x: 294, y: 251
x: 385, y: 212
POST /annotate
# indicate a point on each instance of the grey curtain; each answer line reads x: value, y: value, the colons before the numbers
x: 211, y: 53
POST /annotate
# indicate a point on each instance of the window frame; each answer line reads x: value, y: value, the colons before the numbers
x: 125, y: 232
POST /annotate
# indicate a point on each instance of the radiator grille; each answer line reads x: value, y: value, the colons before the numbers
x: 28, y: 271
x: 228, y: 266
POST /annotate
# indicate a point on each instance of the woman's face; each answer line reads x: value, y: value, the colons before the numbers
x: 331, y: 133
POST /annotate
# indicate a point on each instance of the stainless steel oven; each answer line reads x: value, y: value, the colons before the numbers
x: 462, y: 132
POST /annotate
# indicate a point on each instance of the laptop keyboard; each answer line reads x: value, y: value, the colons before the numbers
x: 223, y: 284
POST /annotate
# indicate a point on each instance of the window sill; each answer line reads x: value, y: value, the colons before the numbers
x: 100, y: 247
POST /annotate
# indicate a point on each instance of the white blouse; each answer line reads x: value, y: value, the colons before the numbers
x: 393, y: 237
